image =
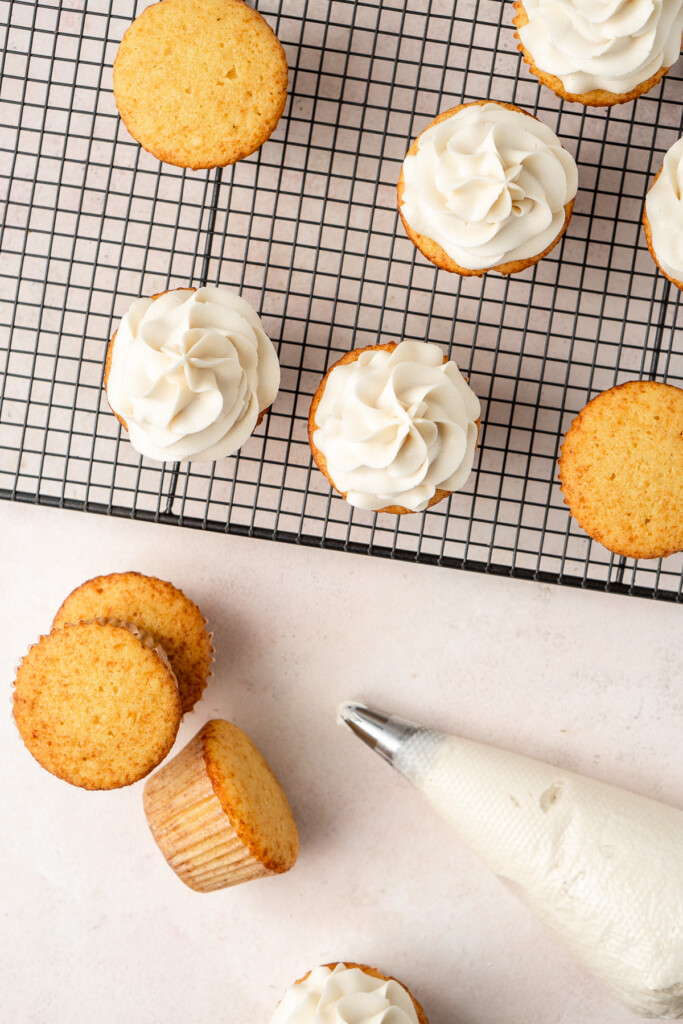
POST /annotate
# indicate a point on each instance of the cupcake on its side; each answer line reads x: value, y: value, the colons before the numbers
x: 97, y: 704
x: 621, y: 469
x: 394, y: 427
x: 599, y: 53
x: 190, y: 373
x: 486, y: 186
x: 218, y: 814
x: 663, y: 216
x: 200, y: 83
x: 161, y: 611
x: 348, y: 991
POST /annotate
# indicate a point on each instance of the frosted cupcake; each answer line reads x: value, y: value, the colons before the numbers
x: 190, y: 373
x: 663, y: 216
x: 599, y: 52
x: 394, y: 427
x: 348, y: 992
x: 486, y: 186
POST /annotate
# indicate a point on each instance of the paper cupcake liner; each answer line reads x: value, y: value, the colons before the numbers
x: 191, y: 828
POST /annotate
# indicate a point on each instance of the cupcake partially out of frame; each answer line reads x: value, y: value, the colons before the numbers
x: 484, y: 187
x: 97, y: 704
x: 161, y: 611
x: 394, y: 427
x: 600, y: 52
x: 348, y: 992
x: 190, y: 374
x: 200, y: 83
x: 663, y: 216
x: 621, y: 469
x: 218, y: 814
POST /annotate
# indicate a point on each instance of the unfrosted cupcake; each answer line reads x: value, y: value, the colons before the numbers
x: 218, y: 814
x: 663, y: 216
x: 486, y: 186
x: 348, y: 992
x: 621, y: 469
x: 200, y: 83
x: 97, y: 704
x: 190, y: 374
x: 599, y: 52
x: 394, y: 427
x: 161, y: 611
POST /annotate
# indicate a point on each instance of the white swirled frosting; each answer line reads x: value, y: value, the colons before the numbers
x: 613, y: 45
x: 345, y: 995
x: 395, y: 427
x: 664, y: 209
x: 190, y: 373
x: 489, y: 185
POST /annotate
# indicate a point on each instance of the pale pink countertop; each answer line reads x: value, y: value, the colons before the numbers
x: 96, y: 927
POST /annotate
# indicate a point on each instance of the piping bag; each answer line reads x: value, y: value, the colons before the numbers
x: 599, y: 866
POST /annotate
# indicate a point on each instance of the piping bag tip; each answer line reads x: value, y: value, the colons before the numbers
x: 383, y: 733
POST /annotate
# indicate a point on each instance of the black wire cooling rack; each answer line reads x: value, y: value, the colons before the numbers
x: 307, y: 229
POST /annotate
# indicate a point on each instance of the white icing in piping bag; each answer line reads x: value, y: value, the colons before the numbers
x: 601, y: 867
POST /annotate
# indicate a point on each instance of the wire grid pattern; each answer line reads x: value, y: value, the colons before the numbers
x: 307, y: 229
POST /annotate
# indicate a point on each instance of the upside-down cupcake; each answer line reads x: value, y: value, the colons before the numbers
x: 486, y: 186
x: 348, y: 992
x: 599, y: 52
x: 97, y: 704
x: 621, y: 469
x: 218, y: 814
x: 200, y: 83
x: 663, y: 216
x: 190, y: 374
x: 394, y: 427
x: 161, y: 611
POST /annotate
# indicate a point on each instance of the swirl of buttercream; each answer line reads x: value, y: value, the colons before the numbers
x: 345, y: 995
x: 190, y: 373
x: 489, y: 185
x: 664, y: 210
x: 611, y: 45
x: 395, y: 427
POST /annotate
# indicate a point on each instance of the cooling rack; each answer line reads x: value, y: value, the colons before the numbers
x: 307, y: 230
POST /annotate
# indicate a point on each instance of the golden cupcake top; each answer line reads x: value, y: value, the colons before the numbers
x: 200, y: 83
x: 159, y: 609
x: 621, y: 469
x: 96, y: 704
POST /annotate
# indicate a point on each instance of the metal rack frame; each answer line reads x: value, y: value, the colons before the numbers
x: 307, y: 230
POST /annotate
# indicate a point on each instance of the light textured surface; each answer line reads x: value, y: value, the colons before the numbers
x: 588, y: 681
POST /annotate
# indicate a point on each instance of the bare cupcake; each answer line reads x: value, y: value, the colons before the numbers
x: 218, y: 814
x: 394, y: 427
x: 599, y: 52
x: 350, y: 992
x: 200, y: 83
x: 97, y: 704
x: 161, y: 611
x: 190, y: 373
x: 621, y: 469
x: 486, y: 186
x: 663, y: 216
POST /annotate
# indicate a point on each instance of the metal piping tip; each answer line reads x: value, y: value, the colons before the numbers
x: 383, y: 733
